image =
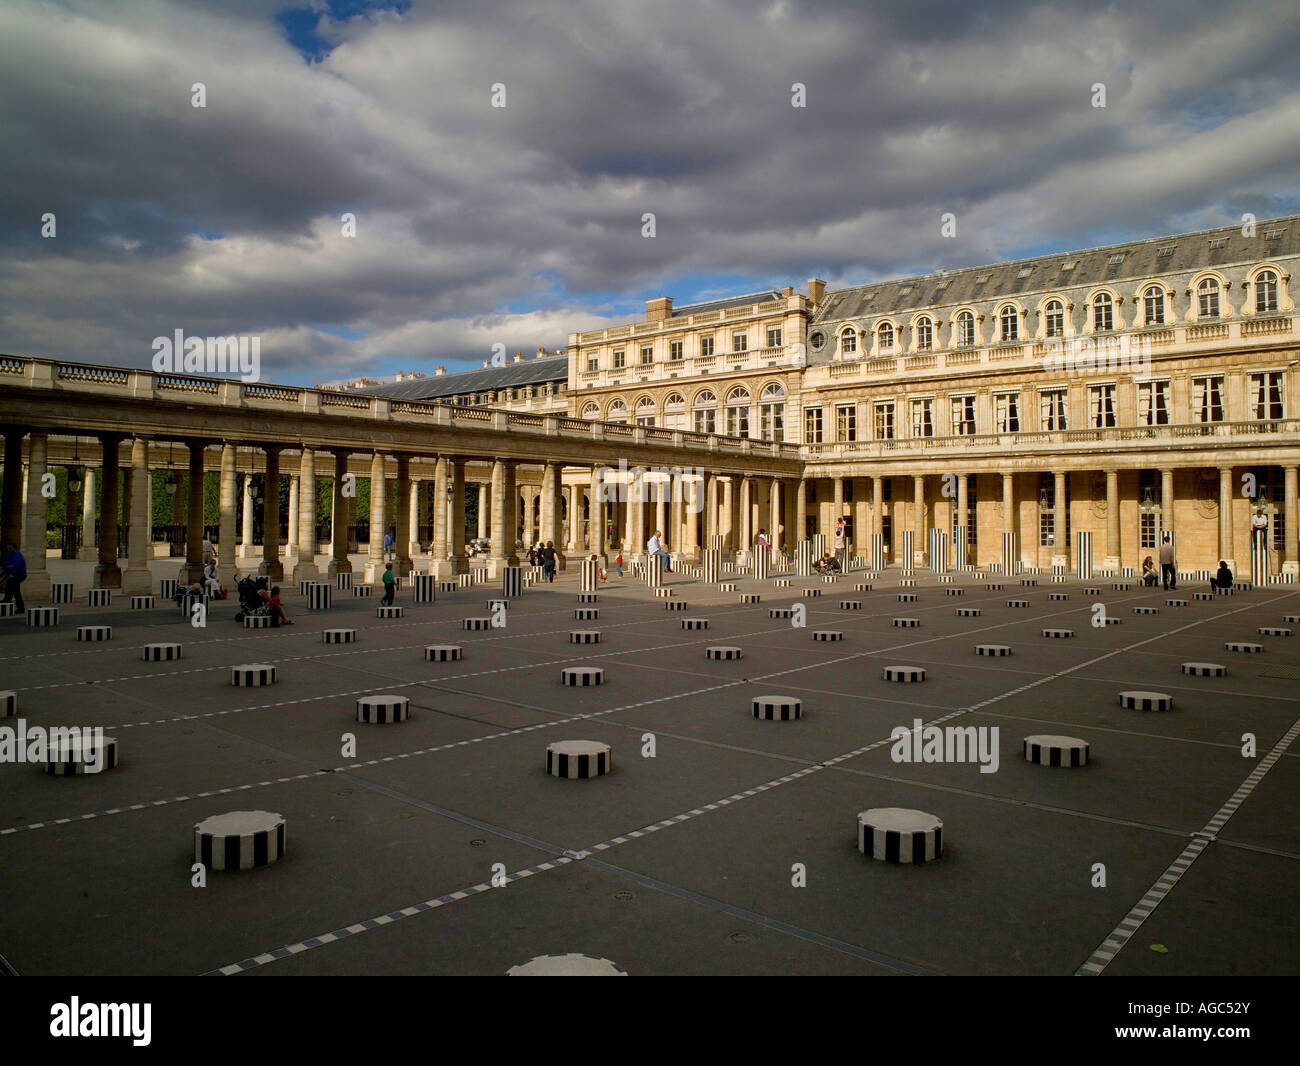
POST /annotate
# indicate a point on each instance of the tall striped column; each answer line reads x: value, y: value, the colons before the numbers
x: 803, y: 559
x: 961, y: 551
x: 909, y: 550
x: 876, y: 553
x: 762, y: 564
x: 713, y: 563
x: 1258, y: 557
x: 938, y: 551
x: 654, y: 571
x: 512, y: 582
x: 590, y: 575
x: 1010, y: 556
x: 1083, y: 554
x: 818, y: 545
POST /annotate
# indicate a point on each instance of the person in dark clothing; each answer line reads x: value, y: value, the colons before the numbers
x: 13, y: 572
x: 1223, y: 579
x: 278, y: 617
x: 390, y: 586
x: 548, y: 560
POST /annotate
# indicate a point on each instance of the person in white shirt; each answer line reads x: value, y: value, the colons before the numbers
x: 655, y: 547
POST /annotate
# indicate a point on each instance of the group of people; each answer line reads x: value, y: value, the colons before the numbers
x: 258, y: 596
x: 545, y: 556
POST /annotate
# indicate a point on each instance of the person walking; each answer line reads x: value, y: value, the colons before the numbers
x: 547, y: 555
x: 13, y: 572
x: 390, y: 585
x: 1168, y: 575
x: 618, y: 563
x: 388, y: 547
x: 841, y: 535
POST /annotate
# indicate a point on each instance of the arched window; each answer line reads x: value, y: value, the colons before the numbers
x: 675, y: 411
x: 1265, y: 292
x: 1010, y: 323
x: 617, y: 412
x: 966, y: 329
x: 771, y: 412
x: 1054, y: 315
x: 1103, y: 313
x: 1153, y: 306
x: 738, y: 412
x: 591, y: 410
x: 885, y: 331
x: 705, y: 413
x: 645, y: 411
x: 849, y: 341
x: 924, y: 334
x: 1207, y: 298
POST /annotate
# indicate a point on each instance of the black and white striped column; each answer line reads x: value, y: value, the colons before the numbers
x: 1083, y: 554
x: 424, y: 588
x: 803, y: 559
x: 897, y: 834
x: 712, y: 565
x: 319, y: 596
x: 240, y: 840
x: 512, y: 582
x: 938, y: 551
x: 578, y: 759
x: 909, y: 550
x: 1259, y: 557
x: 876, y: 552
x: 590, y: 575
x: 762, y: 564
x: 81, y: 753
x: 61, y: 592
x: 1010, y: 555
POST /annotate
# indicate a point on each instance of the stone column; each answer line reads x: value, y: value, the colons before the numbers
x: 1112, y: 521
x: 801, y: 511
x: 137, y: 581
x: 1009, y: 523
x: 378, y: 520
x: 271, y: 565
x: 227, y: 489
x: 441, y: 521
x: 878, y: 506
x: 596, y: 517
x: 1225, y: 518
x: 456, y: 535
x: 1060, y: 523
x: 246, y: 547
x: 482, y: 510
x: 551, y: 506
x: 88, y: 550
x: 305, y: 520
x: 1291, y: 560
x: 504, y: 521
x: 728, y: 528
x: 179, y: 509
x: 691, y: 537
x: 291, y: 545
x: 838, y: 506
x: 402, y: 564
x: 576, y: 543
x: 746, y: 515
x: 128, y: 496
x: 339, y: 562
x: 418, y: 508
x: 1167, y: 506
x: 775, y: 514
x: 11, y: 497
x: 69, y: 500
x: 37, y: 585
x: 194, y: 513
x: 918, y: 516
x: 108, y: 574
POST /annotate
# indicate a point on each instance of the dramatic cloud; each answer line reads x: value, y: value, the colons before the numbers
x: 477, y: 224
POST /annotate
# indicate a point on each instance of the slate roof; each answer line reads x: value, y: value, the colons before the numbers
x: 549, y: 368
x: 731, y: 301
x: 1140, y: 259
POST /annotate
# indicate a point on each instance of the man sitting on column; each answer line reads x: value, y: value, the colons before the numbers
x: 655, y: 547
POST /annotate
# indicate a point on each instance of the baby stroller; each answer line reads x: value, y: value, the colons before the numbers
x: 249, y: 600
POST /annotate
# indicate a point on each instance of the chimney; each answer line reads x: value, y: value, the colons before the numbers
x: 816, y: 290
x: 787, y: 291
x: 519, y: 357
x: 399, y: 376
x: 658, y: 309
x: 485, y: 364
x: 440, y: 371
x: 541, y: 352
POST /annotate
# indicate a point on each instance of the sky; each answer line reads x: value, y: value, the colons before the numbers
x: 478, y: 225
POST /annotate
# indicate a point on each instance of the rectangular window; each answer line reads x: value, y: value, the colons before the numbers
x: 1101, y: 405
x: 737, y: 421
x: 706, y: 347
x: 963, y: 416
x: 1051, y: 409
x: 1266, y: 395
x: 883, y: 419
x: 675, y: 350
x: 774, y: 336
x: 923, y: 418
x: 620, y: 359
x: 740, y: 342
x: 593, y: 362
x: 971, y: 525
x: 772, y: 421
x: 704, y: 420
x: 1006, y: 412
x: 645, y: 420
x: 1153, y: 403
x: 1148, y: 529
x: 1207, y: 399
x: 647, y: 354
x: 1279, y: 531
x: 1055, y: 319
x: 812, y: 425
x: 848, y: 490
x: 846, y: 422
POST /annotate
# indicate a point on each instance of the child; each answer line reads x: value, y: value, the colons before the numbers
x: 618, y: 563
x: 278, y: 617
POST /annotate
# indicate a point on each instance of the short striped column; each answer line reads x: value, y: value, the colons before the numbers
x: 465, y: 580
x: 576, y: 760
x: 240, y: 840
x: 512, y: 582
x: 803, y: 559
x: 320, y: 596
x: 42, y: 617
x: 338, y: 636
x: 383, y: 710
x: 159, y: 653
x: 590, y: 575
x: 897, y: 834
x: 253, y: 675
x: 762, y: 564
x: 343, y: 580
x: 424, y: 588
x: 1083, y: 554
x: 654, y: 572
x: 442, y: 653
x: 61, y: 592
x: 909, y: 550
x: 1258, y: 557
x: 142, y: 603
x: 938, y: 551
x: 167, y: 588
x: 777, y: 708
x: 582, y: 676
x: 99, y: 597
x: 1046, y: 749
x: 81, y: 753
x: 363, y: 590
x: 94, y: 633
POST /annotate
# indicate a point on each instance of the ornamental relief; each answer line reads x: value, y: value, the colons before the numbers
x: 1097, y: 492
x: 1207, y: 493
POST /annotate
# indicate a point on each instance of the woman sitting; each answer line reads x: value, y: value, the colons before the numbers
x: 1149, y: 576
